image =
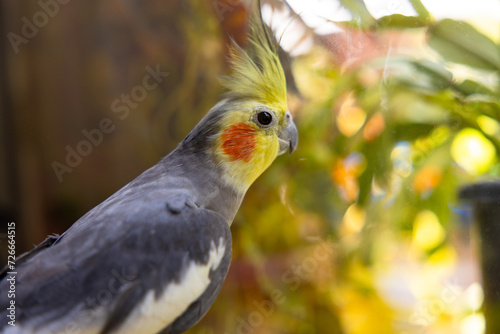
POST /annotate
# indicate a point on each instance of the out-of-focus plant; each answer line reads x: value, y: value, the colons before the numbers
x: 389, y: 129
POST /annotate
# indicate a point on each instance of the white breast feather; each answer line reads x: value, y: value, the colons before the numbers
x: 151, y: 315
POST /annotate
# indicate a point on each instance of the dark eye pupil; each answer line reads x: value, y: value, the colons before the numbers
x: 264, y: 118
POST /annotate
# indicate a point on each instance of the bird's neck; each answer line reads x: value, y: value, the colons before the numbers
x: 211, y: 190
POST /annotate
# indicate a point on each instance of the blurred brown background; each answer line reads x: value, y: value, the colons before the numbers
x: 62, y: 78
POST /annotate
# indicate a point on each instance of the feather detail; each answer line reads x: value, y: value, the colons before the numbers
x: 257, y: 72
x: 238, y: 142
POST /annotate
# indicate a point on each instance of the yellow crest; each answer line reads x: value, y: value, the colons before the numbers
x: 257, y: 71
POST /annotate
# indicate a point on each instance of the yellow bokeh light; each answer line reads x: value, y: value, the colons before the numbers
x: 354, y: 220
x: 350, y: 117
x: 444, y: 257
x: 473, y: 324
x: 474, y: 296
x: 427, y: 231
x: 472, y: 151
x: 488, y: 125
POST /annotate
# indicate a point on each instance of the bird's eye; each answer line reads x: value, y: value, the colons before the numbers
x: 265, y: 118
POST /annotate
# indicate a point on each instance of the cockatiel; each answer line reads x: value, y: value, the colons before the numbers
x: 153, y: 256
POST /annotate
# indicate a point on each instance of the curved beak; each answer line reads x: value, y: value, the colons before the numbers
x: 288, y: 137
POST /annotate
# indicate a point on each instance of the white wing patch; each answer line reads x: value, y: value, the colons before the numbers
x: 151, y: 315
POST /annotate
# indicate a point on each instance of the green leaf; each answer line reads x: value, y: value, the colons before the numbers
x: 470, y: 87
x: 440, y: 77
x: 359, y: 11
x: 411, y: 108
x: 459, y: 42
x: 422, y: 12
x: 398, y: 21
x: 378, y: 165
x: 410, y: 131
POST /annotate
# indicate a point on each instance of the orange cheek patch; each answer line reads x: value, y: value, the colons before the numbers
x: 238, y: 142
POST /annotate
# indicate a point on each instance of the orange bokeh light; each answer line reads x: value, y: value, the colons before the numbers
x: 427, y: 179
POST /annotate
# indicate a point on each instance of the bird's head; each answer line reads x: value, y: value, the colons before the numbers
x: 251, y: 126
x: 258, y: 126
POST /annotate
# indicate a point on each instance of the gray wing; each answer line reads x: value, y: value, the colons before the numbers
x: 99, y: 272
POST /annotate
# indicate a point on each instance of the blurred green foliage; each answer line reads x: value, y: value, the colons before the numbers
x: 385, y: 143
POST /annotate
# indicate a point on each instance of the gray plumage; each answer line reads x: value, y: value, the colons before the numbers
x: 148, y: 231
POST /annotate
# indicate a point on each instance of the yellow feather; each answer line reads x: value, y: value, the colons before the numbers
x: 257, y: 71
x: 238, y: 173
